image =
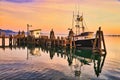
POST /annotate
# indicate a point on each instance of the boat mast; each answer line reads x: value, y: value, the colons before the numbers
x: 77, y: 25
x: 78, y: 19
x: 83, y: 28
x: 73, y: 21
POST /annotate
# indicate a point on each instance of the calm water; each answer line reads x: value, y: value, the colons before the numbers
x: 49, y: 63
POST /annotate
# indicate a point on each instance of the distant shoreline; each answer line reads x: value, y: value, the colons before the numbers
x: 113, y: 35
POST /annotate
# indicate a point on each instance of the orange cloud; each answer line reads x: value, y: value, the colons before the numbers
x: 57, y: 14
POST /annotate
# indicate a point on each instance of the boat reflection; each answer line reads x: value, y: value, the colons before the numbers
x: 35, y: 51
x: 76, y: 58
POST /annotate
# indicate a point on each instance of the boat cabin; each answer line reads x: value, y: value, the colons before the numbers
x: 35, y: 33
x: 85, y: 35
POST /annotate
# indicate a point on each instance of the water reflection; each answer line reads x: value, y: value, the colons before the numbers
x: 34, y: 51
x: 76, y: 58
x: 98, y: 63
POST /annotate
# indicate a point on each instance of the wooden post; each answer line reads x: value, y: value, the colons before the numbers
x: 18, y: 38
x: 53, y: 41
x: 10, y: 40
x: 18, y: 41
x: 74, y: 42
x: 34, y: 41
x: 14, y: 40
x: 3, y: 40
x: 99, y: 39
x: 61, y: 41
x: 99, y: 42
x: 64, y: 42
x: 70, y: 43
x: 39, y: 40
x: 58, y: 41
x: 104, y: 42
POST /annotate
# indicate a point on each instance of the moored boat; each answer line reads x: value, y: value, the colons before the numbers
x: 81, y: 38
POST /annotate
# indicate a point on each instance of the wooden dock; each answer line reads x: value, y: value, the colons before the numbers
x: 43, y: 40
x: 21, y: 40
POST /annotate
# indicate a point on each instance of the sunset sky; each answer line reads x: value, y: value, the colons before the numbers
x: 57, y: 14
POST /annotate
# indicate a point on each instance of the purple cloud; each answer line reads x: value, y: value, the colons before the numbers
x: 19, y: 1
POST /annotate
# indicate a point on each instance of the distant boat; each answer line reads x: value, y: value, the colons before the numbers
x: 81, y: 38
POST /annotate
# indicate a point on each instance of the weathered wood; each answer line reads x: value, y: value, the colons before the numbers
x: 3, y: 40
x: 10, y: 40
x: 58, y: 41
x: 20, y: 39
x: 99, y: 42
x: 103, y: 43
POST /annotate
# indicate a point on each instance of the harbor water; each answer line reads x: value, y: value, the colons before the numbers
x: 53, y: 63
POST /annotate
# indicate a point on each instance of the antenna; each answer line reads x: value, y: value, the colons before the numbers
x: 75, y: 7
x: 85, y: 25
x: 78, y: 4
x: 83, y: 28
x: 77, y: 20
x: 73, y: 21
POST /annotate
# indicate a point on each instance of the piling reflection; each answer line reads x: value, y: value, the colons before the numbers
x: 76, y: 58
x: 98, y: 63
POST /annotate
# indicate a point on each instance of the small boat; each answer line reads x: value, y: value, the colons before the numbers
x: 81, y: 38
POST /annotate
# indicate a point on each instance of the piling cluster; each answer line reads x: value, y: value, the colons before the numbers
x: 22, y: 40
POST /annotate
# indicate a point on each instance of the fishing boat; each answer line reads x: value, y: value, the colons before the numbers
x: 81, y: 38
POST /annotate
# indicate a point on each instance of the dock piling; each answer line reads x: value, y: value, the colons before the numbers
x: 58, y: 41
x: 3, y: 40
x: 70, y: 43
x: 14, y: 40
x: 99, y: 43
x: 10, y: 40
